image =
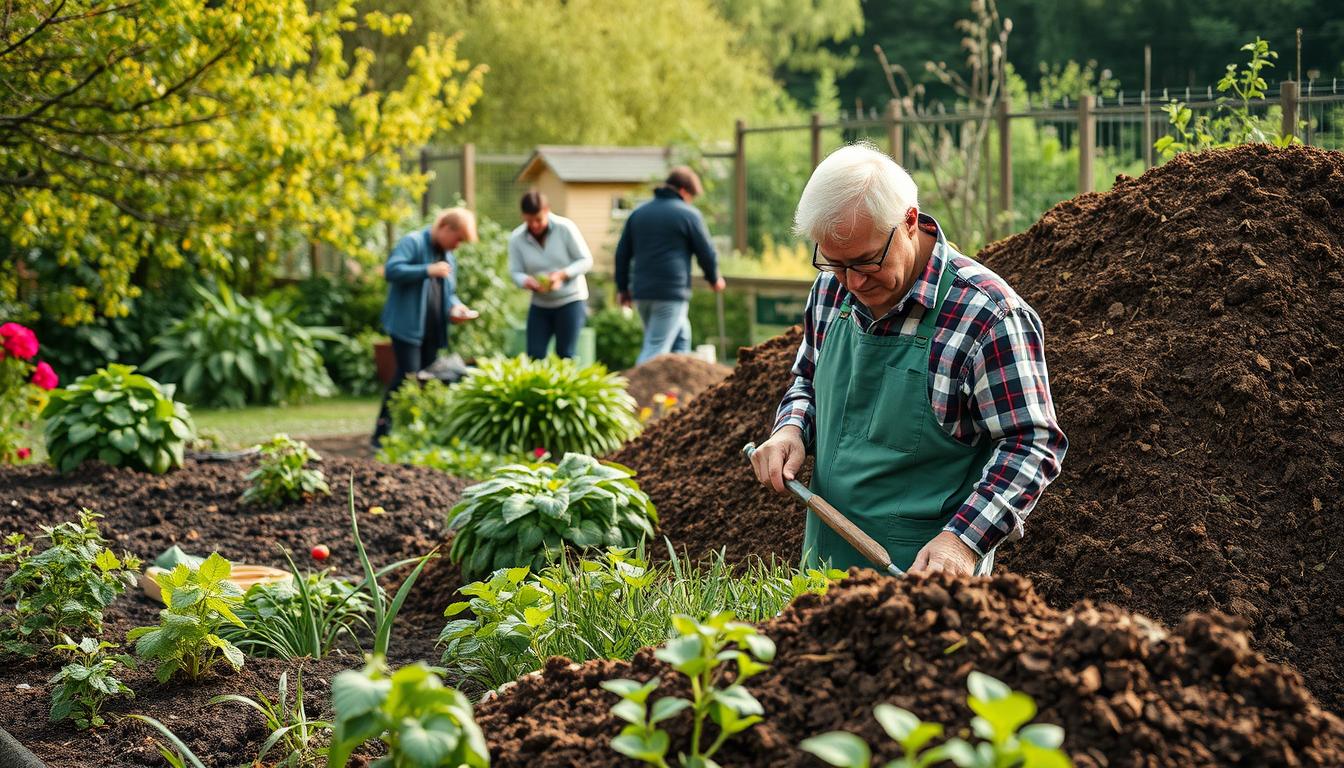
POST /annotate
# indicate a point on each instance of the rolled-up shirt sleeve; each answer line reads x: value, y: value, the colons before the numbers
x: 798, y: 408
x: 1008, y: 390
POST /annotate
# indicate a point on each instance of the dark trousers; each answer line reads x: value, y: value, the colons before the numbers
x: 563, y: 322
x: 411, y: 358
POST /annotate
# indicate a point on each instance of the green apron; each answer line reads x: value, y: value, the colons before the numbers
x: 882, y: 457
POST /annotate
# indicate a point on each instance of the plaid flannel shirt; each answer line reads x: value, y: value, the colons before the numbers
x: 987, y: 381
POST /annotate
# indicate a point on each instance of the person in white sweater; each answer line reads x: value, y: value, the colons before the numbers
x: 547, y: 256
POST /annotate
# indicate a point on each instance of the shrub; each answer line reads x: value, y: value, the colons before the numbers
x: 349, y: 362
x: 283, y: 475
x: 1001, y: 721
x: 527, y: 514
x: 306, y: 616
x: 62, y: 590
x: 513, y: 405
x: 84, y: 685
x: 199, y: 602
x: 422, y: 723
x: 23, y: 390
x: 618, y: 336
x: 232, y: 351
x: 119, y: 417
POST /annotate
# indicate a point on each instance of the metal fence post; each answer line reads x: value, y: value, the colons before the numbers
x: 1288, y: 101
x: 1087, y: 142
x: 895, y: 132
x: 740, y: 187
x: 469, y: 175
x: 1005, y: 163
x: 816, y: 139
x: 424, y: 168
x: 1148, y: 106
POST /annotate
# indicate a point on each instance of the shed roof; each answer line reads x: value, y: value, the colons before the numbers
x: 598, y: 164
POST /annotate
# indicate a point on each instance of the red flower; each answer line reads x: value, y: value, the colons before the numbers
x: 24, y: 453
x: 18, y: 340
x: 538, y: 452
x: 44, y: 377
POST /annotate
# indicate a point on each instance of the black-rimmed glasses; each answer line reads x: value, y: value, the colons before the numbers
x: 862, y: 267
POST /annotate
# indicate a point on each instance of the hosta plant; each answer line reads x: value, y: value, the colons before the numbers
x: 61, y: 590
x: 199, y: 602
x: 514, y: 405
x: 118, y: 417
x: 232, y: 351
x: 527, y: 513
x: 421, y: 722
x: 701, y: 652
x: 1001, y: 722
x: 283, y: 474
x: 82, y: 687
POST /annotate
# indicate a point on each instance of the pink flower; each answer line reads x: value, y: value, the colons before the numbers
x: 44, y: 377
x: 18, y: 340
x: 538, y: 452
x: 24, y: 453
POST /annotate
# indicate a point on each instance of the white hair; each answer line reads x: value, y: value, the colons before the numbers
x: 854, y: 182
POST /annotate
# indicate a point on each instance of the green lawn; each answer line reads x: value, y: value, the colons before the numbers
x: 248, y: 426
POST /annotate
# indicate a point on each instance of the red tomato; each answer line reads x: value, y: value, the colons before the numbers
x: 320, y: 552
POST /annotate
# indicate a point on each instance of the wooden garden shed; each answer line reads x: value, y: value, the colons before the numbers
x: 597, y: 187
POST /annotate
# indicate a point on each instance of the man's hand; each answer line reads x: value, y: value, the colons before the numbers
x: 945, y: 553
x: 625, y: 299
x: 531, y: 284
x: 461, y: 313
x: 779, y: 458
x: 558, y: 278
x: 439, y: 269
x: 718, y: 285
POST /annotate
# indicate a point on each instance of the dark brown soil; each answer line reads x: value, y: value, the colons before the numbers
x: 1126, y: 691
x: 684, y: 376
x: 692, y: 467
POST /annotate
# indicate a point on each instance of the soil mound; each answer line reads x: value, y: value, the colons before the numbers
x: 691, y: 463
x: 682, y: 375
x: 1194, y: 339
x: 1126, y: 691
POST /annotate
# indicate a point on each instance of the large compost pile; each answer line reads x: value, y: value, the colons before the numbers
x: 683, y: 376
x: 1126, y: 691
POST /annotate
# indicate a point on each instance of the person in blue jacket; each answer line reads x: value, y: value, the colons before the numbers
x: 422, y: 298
x: 653, y: 263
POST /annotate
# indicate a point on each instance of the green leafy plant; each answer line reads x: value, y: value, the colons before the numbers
x: 402, y: 446
x: 283, y: 475
x: 603, y: 607
x: 290, y: 728
x: 701, y: 652
x: 527, y: 514
x: 307, y: 616
x: 422, y: 722
x: 618, y: 336
x: 199, y: 601
x: 232, y: 351
x: 63, y: 589
x: 513, y: 405
x: 384, y: 610
x: 118, y: 417
x: 350, y: 364
x: 179, y: 755
x: 85, y: 684
x: 1232, y: 123
x: 1001, y: 722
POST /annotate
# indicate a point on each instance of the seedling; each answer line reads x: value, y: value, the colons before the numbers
x: 199, y: 602
x: 291, y: 730
x: 85, y: 684
x: 283, y: 475
x: 699, y: 652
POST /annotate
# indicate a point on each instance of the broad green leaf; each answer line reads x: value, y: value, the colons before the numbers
x: 838, y: 748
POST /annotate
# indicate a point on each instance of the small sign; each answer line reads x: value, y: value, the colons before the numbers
x: 780, y: 309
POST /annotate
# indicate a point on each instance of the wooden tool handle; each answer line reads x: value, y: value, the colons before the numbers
x: 850, y: 532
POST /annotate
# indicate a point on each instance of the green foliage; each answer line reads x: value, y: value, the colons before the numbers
x: 700, y: 652
x: 349, y: 362
x: 384, y: 611
x: 305, y: 617
x: 233, y: 351
x: 62, y: 590
x: 177, y: 754
x: 514, y: 405
x: 1232, y: 123
x: 290, y: 728
x: 618, y: 336
x: 422, y: 723
x: 1001, y: 722
x: 200, y: 601
x: 405, y: 446
x: 283, y: 476
x: 1072, y: 80
x: 484, y: 285
x: 527, y: 514
x: 118, y: 417
x: 354, y: 303
x: 603, y: 607
x: 82, y: 687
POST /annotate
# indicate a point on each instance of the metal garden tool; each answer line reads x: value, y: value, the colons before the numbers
x: 837, y: 522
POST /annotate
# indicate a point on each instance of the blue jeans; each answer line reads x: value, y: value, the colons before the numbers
x: 667, y: 327
x: 563, y: 322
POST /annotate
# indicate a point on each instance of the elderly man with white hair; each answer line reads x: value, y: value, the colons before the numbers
x: 920, y: 386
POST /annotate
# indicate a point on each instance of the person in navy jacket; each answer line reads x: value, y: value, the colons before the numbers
x: 422, y: 298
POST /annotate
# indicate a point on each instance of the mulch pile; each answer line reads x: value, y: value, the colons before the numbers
x: 1126, y: 691
x: 684, y: 376
x: 691, y: 463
